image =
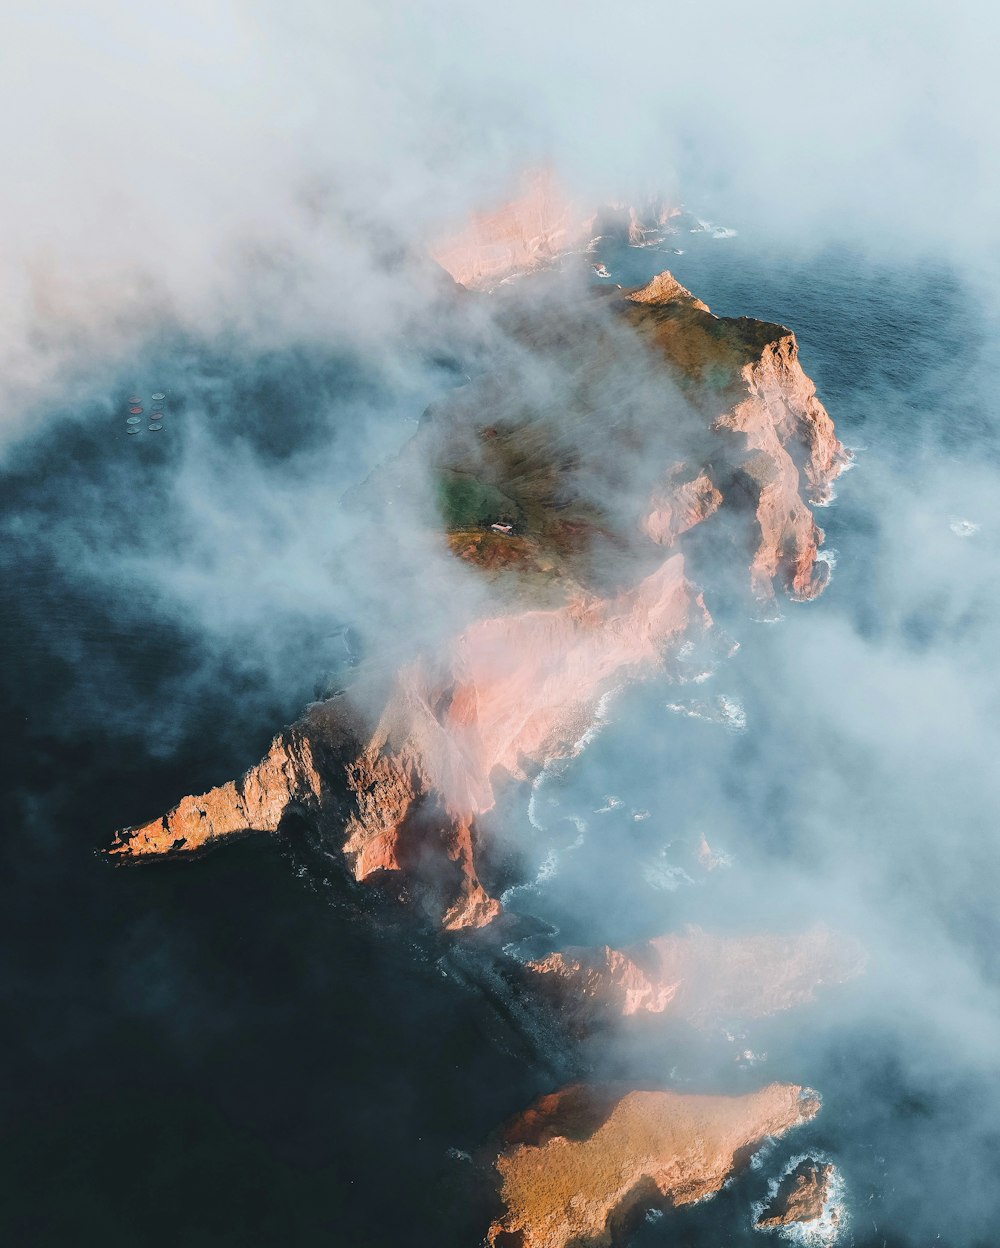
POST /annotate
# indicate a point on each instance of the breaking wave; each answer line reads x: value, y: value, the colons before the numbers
x: 718, y: 710
x: 822, y: 1232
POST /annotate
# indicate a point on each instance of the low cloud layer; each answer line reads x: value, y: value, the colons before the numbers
x: 220, y: 197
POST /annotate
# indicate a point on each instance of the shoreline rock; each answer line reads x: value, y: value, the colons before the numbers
x: 581, y: 1171
x: 803, y: 1196
x: 400, y: 778
x: 702, y: 978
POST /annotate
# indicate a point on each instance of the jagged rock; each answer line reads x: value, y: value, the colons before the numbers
x: 535, y: 227
x: 803, y: 1196
x: 409, y: 789
x: 399, y: 780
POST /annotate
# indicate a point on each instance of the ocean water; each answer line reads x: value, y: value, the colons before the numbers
x: 246, y: 1050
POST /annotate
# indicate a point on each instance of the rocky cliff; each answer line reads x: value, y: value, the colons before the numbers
x: 803, y: 1196
x: 703, y: 978
x: 408, y: 789
x: 540, y: 223
x: 658, y: 419
x: 582, y: 1166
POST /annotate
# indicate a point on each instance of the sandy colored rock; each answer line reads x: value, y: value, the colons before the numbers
x: 802, y: 1196
x: 285, y: 778
x: 792, y: 455
x: 512, y: 690
x: 665, y: 288
x: 705, y: 979
x: 586, y: 1188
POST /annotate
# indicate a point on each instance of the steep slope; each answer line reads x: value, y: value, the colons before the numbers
x: 535, y: 227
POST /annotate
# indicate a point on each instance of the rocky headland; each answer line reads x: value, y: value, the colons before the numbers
x: 591, y: 580
x: 582, y: 1166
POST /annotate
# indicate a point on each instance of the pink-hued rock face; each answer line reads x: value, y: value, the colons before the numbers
x: 677, y: 508
x: 540, y: 223
x: 516, y: 689
x: 526, y: 233
x: 781, y: 412
x: 582, y: 1166
x: 399, y: 780
x: 703, y: 978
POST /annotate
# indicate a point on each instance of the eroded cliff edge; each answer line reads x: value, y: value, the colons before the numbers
x: 578, y: 517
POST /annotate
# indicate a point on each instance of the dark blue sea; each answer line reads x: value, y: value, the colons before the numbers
x: 248, y: 1050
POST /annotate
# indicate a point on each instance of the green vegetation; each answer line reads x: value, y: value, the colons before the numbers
x: 467, y: 502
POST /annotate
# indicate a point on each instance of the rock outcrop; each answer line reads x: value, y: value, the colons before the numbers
x: 790, y: 431
x: 676, y: 508
x: 803, y: 1196
x: 590, y: 487
x: 408, y: 790
x: 702, y: 978
x: 286, y: 778
x: 525, y: 234
x: 582, y: 1166
x: 539, y: 224
x: 791, y: 454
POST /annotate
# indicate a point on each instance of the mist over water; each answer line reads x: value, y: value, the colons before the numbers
x: 252, y: 1050
x: 207, y: 1029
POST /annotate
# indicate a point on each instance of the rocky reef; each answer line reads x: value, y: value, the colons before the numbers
x: 583, y: 1165
x: 539, y: 224
x: 803, y: 1196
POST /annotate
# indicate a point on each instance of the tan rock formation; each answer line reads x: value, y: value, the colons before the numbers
x: 782, y: 418
x: 582, y: 1180
x: 513, y: 691
x: 665, y: 288
x: 703, y: 978
x: 803, y: 1196
x: 286, y: 777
